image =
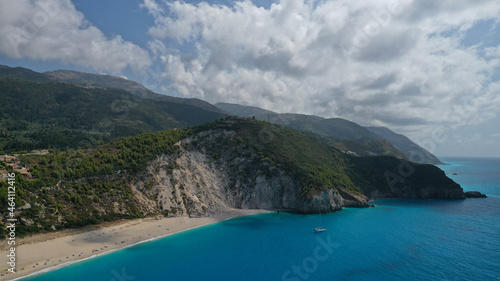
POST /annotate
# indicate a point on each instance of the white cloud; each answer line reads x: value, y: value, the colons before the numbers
x: 55, y: 30
x: 152, y: 7
x: 394, y: 63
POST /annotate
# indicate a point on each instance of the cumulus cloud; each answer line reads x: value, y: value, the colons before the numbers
x: 397, y: 63
x: 55, y: 30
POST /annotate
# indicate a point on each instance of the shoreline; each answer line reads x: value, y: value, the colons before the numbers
x: 39, y: 254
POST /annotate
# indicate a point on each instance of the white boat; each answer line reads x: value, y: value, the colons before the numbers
x: 319, y: 229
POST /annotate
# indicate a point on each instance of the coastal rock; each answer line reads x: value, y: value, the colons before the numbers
x: 213, y: 172
x: 353, y: 200
x: 474, y: 194
x: 324, y: 202
x: 416, y: 192
x: 195, y: 183
x: 440, y: 193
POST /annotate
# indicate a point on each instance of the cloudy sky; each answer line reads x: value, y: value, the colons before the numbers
x: 428, y: 69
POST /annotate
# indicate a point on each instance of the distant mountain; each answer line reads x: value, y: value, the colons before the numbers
x: 37, y: 115
x: 411, y: 150
x: 84, y: 93
x: 107, y: 81
x: 98, y: 80
x: 337, y: 128
x: 89, y: 80
x: 22, y: 73
x: 243, y: 111
x: 341, y: 133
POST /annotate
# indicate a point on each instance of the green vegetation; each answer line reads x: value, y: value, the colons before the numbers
x: 107, y: 81
x: 102, y: 140
x: 389, y: 175
x: 41, y: 115
x: 83, y: 186
x: 87, y: 186
x: 314, y: 163
x: 410, y: 149
x: 342, y: 134
x: 319, y: 166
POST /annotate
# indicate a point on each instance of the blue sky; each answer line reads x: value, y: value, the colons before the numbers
x: 428, y: 69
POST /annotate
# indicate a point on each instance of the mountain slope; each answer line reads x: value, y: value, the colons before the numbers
x: 22, y: 73
x: 346, y: 135
x: 235, y: 163
x: 107, y: 81
x: 89, y: 80
x: 342, y: 134
x: 97, y: 80
x: 337, y: 128
x: 243, y: 111
x: 411, y: 150
x: 37, y: 115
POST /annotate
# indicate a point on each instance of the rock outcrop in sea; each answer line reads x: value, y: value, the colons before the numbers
x: 474, y: 194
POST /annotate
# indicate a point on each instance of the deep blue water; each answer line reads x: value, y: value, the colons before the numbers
x: 397, y: 240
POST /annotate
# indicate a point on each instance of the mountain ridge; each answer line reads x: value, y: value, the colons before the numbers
x: 341, y: 133
x: 347, y: 134
x: 87, y: 80
x: 108, y: 81
x: 411, y: 150
x: 62, y: 116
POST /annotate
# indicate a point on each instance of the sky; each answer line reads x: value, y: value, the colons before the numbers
x: 424, y: 68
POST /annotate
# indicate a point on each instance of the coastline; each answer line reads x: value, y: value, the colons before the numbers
x: 38, y: 254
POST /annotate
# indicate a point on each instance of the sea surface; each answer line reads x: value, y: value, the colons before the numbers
x: 397, y: 240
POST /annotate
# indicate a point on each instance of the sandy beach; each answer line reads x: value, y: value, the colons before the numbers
x: 44, y: 252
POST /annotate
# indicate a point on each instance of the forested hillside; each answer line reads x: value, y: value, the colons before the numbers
x: 45, y: 115
x: 116, y: 180
x: 343, y: 134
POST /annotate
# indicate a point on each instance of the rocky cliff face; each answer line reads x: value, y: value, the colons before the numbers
x: 231, y: 163
x: 214, y: 171
x: 207, y: 176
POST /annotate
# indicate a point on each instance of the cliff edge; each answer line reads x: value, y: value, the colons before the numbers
x: 254, y: 165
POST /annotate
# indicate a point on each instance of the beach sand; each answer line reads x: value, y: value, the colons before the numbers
x: 53, y: 250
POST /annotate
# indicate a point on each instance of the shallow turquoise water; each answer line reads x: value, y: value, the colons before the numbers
x: 397, y: 240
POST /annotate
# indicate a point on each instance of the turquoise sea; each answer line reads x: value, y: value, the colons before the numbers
x: 397, y: 240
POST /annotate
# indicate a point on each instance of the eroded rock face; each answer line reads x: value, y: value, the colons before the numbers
x: 196, y: 183
x: 324, y: 202
x: 213, y: 172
